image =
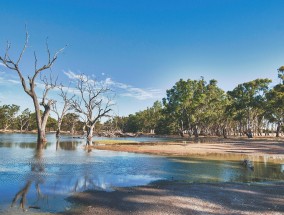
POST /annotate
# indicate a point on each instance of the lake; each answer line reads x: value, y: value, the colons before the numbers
x: 42, y: 180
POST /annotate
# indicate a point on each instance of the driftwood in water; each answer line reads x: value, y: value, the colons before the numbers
x: 117, y: 134
x: 247, y: 163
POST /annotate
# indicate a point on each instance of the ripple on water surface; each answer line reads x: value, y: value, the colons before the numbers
x: 46, y: 178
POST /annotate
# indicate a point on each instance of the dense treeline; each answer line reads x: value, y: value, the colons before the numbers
x: 191, y: 107
x: 12, y: 119
x: 195, y: 107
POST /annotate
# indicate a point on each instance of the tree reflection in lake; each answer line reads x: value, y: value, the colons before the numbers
x: 36, y: 177
x: 70, y: 145
x: 43, y: 179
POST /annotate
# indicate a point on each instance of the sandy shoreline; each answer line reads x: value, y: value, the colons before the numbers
x: 233, y: 149
x: 171, y: 197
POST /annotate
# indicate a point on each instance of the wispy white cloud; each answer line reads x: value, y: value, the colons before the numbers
x: 1, y: 64
x: 71, y: 75
x: 124, y: 90
x: 5, y: 80
x: 13, y: 81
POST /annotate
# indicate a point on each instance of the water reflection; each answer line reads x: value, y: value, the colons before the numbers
x: 31, y: 145
x: 43, y: 179
x: 66, y: 145
x: 36, y: 177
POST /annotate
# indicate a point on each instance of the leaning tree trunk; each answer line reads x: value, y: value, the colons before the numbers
x: 195, y: 131
x: 58, y: 128
x: 225, y: 132
x: 278, y: 129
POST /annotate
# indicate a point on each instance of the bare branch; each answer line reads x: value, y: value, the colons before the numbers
x: 91, y: 102
x: 24, y: 48
x: 47, y: 49
x: 35, y: 60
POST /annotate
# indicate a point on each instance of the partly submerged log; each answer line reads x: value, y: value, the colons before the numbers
x: 247, y: 163
x: 117, y: 134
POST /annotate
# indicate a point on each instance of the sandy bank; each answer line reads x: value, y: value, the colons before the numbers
x: 172, y: 197
x: 179, y: 198
x: 234, y: 149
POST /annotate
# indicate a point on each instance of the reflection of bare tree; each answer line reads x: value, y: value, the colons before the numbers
x: 70, y: 145
x: 23, y: 195
x: 85, y: 182
x: 37, y: 167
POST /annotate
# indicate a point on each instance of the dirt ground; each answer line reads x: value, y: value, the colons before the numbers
x: 178, y: 198
x: 196, y: 198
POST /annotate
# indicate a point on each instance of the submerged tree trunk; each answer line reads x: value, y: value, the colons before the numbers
x: 30, y: 84
x: 90, y: 130
x: 41, y: 138
x: 58, y: 128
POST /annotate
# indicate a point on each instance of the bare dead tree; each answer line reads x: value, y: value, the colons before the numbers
x: 67, y: 101
x: 30, y: 84
x: 92, y: 102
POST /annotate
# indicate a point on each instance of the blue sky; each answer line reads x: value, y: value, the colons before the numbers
x: 143, y: 47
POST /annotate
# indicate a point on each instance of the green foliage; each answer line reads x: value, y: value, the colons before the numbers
x: 281, y: 74
x: 248, y: 103
x: 194, y: 105
x: 8, y: 115
x: 190, y: 106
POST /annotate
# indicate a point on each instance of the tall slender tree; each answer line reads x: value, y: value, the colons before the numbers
x: 60, y: 113
x: 29, y: 85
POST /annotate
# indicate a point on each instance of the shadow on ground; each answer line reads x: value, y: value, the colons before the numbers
x: 182, y: 198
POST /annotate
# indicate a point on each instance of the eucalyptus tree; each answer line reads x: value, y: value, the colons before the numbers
x: 215, y: 119
x: 177, y: 102
x: 24, y: 119
x: 69, y: 122
x: 8, y: 115
x: 193, y: 104
x: 66, y: 102
x: 275, y: 104
x: 247, y: 102
x: 146, y: 120
x: 92, y: 101
x: 154, y: 115
x: 281, y: 74
x: 29, y: 85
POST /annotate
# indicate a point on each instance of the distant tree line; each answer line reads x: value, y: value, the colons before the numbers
x: 195, y: 107
x: 191, y: 107
x: 11, y: 118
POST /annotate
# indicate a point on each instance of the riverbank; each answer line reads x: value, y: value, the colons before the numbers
x: 183, y: 198
x: 171, y: 197
x: 233, y: 148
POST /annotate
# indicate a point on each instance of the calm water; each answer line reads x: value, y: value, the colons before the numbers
x: 44, y: 179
